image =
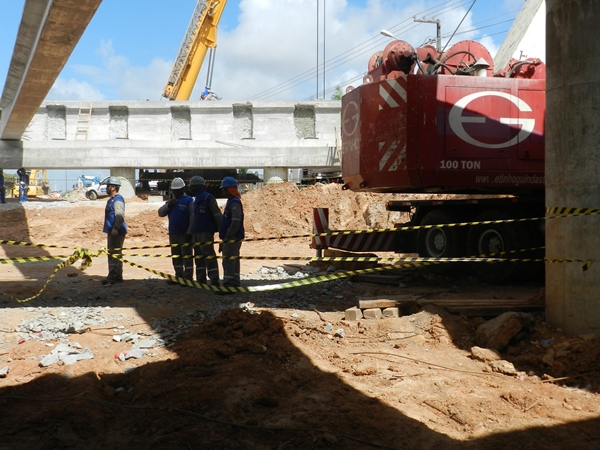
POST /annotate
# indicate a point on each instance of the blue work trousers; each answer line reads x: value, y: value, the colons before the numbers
x: 183, y: 263
x: 207, y: 266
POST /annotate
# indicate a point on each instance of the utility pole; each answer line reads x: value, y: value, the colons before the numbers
x: 438, y: 22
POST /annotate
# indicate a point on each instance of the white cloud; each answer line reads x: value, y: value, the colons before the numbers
x: 73, y: 89
x: 123, y: 81
x: 489, y: 43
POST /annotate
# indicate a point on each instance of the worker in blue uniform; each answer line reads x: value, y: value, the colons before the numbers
x: 23, y: 184
x: 231, y: 232
x: 207, y: 219
x: 181, y: 218
x: 115, y: 229
x: 2, y: 196
x: 207, y: 94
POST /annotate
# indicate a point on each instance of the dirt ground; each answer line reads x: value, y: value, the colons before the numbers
x: 279, y: 369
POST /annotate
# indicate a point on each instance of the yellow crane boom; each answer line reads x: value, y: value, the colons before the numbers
x: 199, y: 37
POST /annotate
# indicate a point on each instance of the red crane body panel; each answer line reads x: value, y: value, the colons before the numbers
x: 450, y: 133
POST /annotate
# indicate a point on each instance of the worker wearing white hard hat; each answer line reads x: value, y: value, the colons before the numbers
x: 180, y: 211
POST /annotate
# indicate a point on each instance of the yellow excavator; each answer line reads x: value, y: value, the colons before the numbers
x: 38, y: 183
x: 200, y: 36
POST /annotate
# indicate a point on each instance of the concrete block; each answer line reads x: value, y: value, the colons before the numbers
x: 372, y: 313
x: 353, y: 313
x: 377, y: 303
x: 391, y: 312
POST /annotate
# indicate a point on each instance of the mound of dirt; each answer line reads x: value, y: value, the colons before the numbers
x: 283, y: 209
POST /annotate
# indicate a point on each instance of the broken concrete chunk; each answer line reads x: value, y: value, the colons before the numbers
x: 136, y: 353
x: 50, y: 359
x: 86, y: 353
x: 69, y: 359
x: 147, y: 343
x: 340, y: 333
x: 4, y: 372
x: 503, y: 366
x: 485, y: 354
x: 497, y: 333
x: 64, y: 348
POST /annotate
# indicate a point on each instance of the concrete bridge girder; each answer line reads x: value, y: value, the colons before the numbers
x: 178, y: 135
x: 48, y: 33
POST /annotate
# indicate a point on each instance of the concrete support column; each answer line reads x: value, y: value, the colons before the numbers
x: 127, y: 189
x: 275, y: 172
x: 573, y: 163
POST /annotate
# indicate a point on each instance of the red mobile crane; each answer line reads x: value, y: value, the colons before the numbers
x: 447, y: 123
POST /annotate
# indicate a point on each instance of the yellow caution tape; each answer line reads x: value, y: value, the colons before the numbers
x: 27, y: 259
x: 82, y: 254
x: 86, y: 255
x: 572, y: 212
x: 270, y: 287
x: 32, y: 244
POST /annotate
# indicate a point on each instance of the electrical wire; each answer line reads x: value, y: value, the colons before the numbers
x: 459, y: 24
x: 357, y: 51
x: 369, y: 46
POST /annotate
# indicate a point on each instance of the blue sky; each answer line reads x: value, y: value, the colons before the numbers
x: 267, y: 49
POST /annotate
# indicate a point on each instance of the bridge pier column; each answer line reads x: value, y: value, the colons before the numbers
x: 572, y: 164
x: 271, y: 172
x: 127, y: 189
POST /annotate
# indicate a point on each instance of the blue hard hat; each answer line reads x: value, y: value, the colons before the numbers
x: 228, y: 182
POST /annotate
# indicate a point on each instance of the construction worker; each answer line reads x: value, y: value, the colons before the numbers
x: 116, y: 229
x: 232, y: 229
x: 23, y: 184
x: 207, y: 94
x: 207, y: 220
x: 2, y: 186
x: 180, y: 210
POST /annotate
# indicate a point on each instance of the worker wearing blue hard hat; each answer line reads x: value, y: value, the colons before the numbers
x: 231, y: 232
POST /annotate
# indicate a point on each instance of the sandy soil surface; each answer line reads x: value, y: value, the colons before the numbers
x: 281, y: 369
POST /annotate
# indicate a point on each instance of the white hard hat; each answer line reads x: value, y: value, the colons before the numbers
x: 177, y: 183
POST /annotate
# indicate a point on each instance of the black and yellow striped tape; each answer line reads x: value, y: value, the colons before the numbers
x: 82, y: 254
x: 269, y: 287
x: 86, y: 255
x: 32, y: 244
x: 28, y: 259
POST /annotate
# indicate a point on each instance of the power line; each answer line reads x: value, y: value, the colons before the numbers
x: 371, y: 45
x: 366, y: 46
